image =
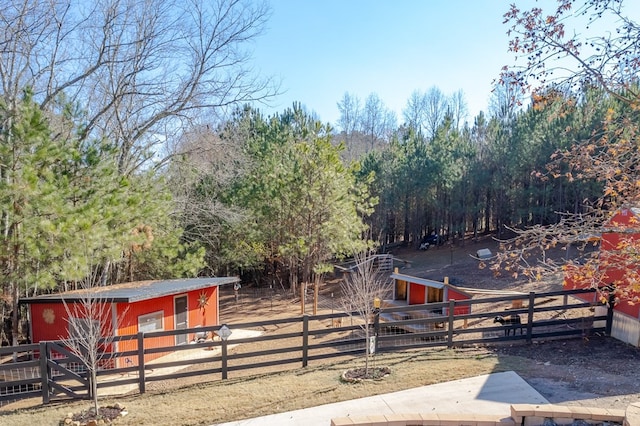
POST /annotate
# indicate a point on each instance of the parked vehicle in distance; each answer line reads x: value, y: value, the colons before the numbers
x: 431, y: 240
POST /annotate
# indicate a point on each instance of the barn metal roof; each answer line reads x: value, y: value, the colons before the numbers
x: 135, y: 291
x: 422, y: 281
x: 426, y: 282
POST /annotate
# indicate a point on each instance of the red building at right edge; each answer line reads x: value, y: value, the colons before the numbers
x: 616, y: 274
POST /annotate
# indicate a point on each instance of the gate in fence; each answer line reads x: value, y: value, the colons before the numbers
x: 62, y: 373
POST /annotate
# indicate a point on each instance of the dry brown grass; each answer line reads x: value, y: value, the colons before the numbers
x: 254, y: 396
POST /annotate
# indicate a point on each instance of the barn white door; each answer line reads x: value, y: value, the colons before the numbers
x: 180, y: 318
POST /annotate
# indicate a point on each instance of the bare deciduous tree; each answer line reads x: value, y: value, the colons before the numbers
x: 137, y: 71
x: 505, y: 100
x: 91, y: 326
x: 203, y: 164
x: 350, y: 115
x: 377, y: 122
x: 435, y: 109
x: 128, y: 74
x: 425, y: 111
x: 574, y: 44
x: 458, y: 108
x: 413, y: 113
x: 582, y: 48
x: 360, y: 288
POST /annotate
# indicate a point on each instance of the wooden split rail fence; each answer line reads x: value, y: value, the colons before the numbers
x: 50, y: 371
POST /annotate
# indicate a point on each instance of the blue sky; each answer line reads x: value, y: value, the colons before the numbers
x: 321, y: 49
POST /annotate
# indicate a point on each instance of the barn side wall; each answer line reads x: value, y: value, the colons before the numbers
x: 626, y: 329
x: 626, y: 308
x: 453, y: 294
x: 49, y: 321
x: 129, y: 314
x: 197, y: 316
x: 208, y: 314
x: 417, y: 295
x: 623, y: 328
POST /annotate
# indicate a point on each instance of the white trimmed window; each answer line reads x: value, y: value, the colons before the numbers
x: 151, y: 322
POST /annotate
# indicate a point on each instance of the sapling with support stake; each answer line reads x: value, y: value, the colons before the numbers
x: 363, y: 289
x: 91, y: 326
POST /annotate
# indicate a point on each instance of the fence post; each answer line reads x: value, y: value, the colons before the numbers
x: 532, y: 304
x: 305, y: 340
x: 609, y: 324
x: 141, y: 378
x: 376, y: 328
x: 224, y: 359
x: 44, y: 372
x: 452, y: 310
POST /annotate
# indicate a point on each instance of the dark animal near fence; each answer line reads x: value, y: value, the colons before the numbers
x: 511, y: 323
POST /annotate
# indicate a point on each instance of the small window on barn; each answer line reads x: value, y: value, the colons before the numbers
x: 151, y: 322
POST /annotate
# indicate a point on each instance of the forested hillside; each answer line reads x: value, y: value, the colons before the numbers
x: 133, y: 147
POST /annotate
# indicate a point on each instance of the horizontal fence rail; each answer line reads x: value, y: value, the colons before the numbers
x: 542, y: 316
x: 48, y: 369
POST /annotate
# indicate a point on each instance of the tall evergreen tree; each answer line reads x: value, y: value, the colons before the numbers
x: 301, y: 206
x: 66, y: 209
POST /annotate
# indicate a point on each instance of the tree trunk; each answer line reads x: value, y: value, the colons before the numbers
x: 487, y: 211
x: 94, y: 390
x: 367, y: 354
x: 15, y: 298
x: 406, y: 218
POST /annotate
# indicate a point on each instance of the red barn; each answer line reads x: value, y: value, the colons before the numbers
x: 615, y: 270
x: 416, y: 291
x: 133, y: 307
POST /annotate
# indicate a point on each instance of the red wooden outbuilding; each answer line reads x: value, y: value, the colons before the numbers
x: 416, y: 291
x: 142, y: 306
x: 615, y: 271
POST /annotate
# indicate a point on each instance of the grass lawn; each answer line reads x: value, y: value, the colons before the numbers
x: 253, y: 396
